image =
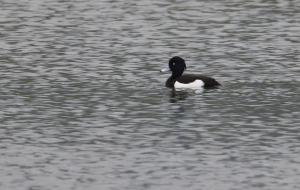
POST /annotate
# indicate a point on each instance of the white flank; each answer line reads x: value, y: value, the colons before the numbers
x: 194, y: 85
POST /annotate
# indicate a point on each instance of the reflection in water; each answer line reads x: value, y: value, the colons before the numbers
x: 176, y: 96
x: 82, y: 107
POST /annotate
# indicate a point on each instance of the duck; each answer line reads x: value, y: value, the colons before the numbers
x: 178, y: 80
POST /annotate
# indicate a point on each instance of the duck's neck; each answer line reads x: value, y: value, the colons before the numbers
x: 171, y: 81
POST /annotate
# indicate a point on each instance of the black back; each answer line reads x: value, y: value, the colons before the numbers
x: 208, y: 81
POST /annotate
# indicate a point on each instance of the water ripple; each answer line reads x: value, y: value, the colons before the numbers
x: 83, y: 104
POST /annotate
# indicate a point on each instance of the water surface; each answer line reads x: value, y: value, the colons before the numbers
x: 83, y: 105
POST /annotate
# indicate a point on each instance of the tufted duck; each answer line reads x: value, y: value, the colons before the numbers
x: 192, y: 81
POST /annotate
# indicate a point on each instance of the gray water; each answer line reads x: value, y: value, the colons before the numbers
x: 83, y: 105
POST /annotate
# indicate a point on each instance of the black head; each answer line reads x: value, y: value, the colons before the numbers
x: 177, y: 66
